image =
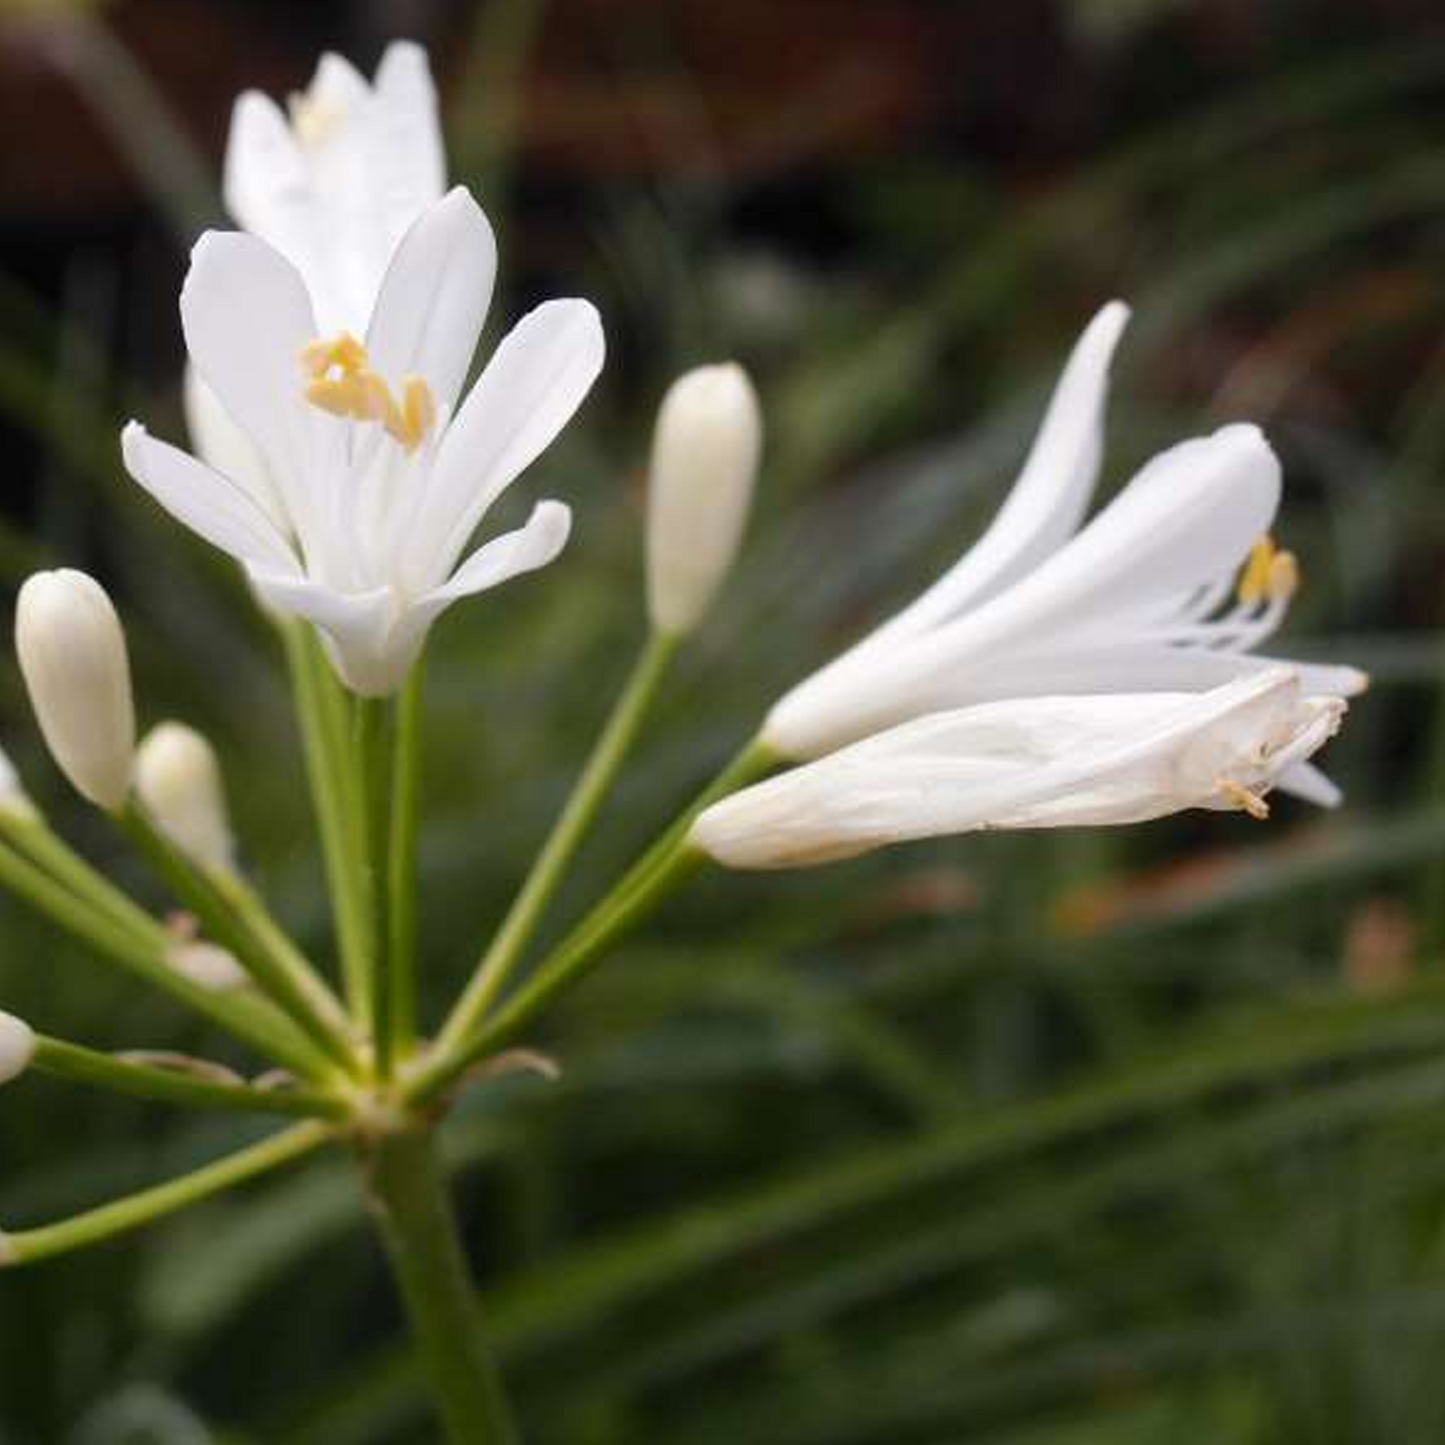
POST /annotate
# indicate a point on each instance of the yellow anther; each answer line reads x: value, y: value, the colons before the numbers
x: 336, y: 396
x: 418, y: 412
x: 1284, y: 576
x: 343, y: 384
x: 1254, y: 580
x: 343, y: 352
x: 313, y: 121
x: 1244, y: 798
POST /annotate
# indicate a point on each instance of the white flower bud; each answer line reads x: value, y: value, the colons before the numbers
x: 704, y: 461
x: 179, y: 780
x: 17, y: 1047
x: 72, y: 653
x: 13, y: 798
x: 208, y: 966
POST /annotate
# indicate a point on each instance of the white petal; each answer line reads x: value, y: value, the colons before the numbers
x: 247, y: 318
x: 1306, y: 781
x: 531, y: 387
x: 225, y: 448
x: 1040, y: 763
x: 1191, y: 512
x: 1072, y: 670
x: 532, y: 546
x: 211, y: 505
x: 1050, y: 497
x: 434, y: 298
x: 356, y: 627
x: 267, y: 185
x: 409, y: 161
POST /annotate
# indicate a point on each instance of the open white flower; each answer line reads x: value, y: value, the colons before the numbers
x: 372, y: 477
x: 335, y: 185
x: 1042, y: 762
x: 1138, y: 601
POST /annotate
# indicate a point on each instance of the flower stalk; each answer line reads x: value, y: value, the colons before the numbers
x: 374, y: 751
x: 410, y: 1203
x: 320, y: 710
x: 548, y: 870
x: 401, y: 881
x: 192, y: 1083
x: 236, y: 919
x: 28, y: 1246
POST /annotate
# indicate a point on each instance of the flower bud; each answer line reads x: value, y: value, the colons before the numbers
x: 72, y: 653
x: 14, y: 801
x: 208, y: 966
x: 704, y: 460
x: 179, y: 780
x: 17, y: 1047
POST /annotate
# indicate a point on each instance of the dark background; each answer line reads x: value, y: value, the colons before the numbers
x: 1128, y: 1137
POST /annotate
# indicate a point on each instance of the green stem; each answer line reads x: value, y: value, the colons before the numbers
x: 146, y: 954
x: 373, y: 752
x: 583, y: 949
x: 402, y: 863
x: 418, y: 1226
x: 592, y: 787
x: 320, y: 710
x: 663, y: 868
x: 233, y: 917
x: 29, y: 1245
x: 178, y: 1084
x: 34, y: 838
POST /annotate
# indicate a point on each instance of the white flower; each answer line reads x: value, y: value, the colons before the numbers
x: 73, y: 657
x: 336, y: 186
x: 372, y: 477
x: 1042, y: 762
x: 1138, y: 601
x: 17, y: 1047
x: 704, y: 462
x: 178, y: 779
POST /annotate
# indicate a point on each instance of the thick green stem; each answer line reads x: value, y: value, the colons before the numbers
x: 320, y: 711
x: 28, y: 1245
x: 414, y: 1215
x: 402, y: 863
x: 373, y: 752
x: 571, y: 828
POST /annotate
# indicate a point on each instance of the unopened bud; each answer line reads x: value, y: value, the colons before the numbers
x: 704, y: 462
x: 14, y: 801
x: 72, y: 653
x: 179, y: 781
x: 208, y: 966
x: 17, y: 1047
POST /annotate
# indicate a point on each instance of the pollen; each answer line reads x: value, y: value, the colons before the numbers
x: 340, y: 381
x: 314, y: 121
x: 1245, y: 799
x: 1269, y: 574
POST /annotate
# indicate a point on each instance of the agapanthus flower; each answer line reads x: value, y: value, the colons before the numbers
x: 1167, y: 589
x: 336, y: 180
x: 1038, y: 762
x: 370, y: 473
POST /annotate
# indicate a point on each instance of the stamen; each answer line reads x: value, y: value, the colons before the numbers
x: 1284, y: 577
x: 313, y: 121
x: 1254, y: 579
x: 418, y: 411
x: 343, y: 384
x: 1243, y: 798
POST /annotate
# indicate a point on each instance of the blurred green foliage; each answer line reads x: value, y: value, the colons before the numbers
x: 1049, y: 1140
